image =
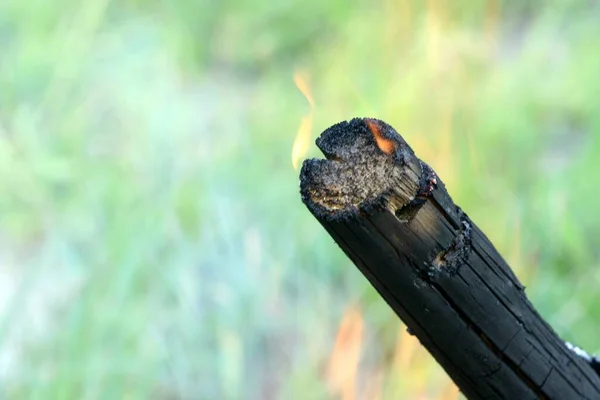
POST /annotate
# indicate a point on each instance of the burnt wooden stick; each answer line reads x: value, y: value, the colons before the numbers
x: 392, y: 216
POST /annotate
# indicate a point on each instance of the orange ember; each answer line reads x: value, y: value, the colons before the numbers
x: 384, y: 144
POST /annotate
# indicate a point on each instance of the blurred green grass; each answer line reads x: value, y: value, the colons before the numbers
x: 153, y: 243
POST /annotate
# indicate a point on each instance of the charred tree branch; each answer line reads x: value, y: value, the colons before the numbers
x: 392, y: 216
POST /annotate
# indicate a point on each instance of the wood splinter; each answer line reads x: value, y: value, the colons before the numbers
x: 392, y: 216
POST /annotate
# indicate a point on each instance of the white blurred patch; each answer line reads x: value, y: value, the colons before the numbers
x: 30, y: 297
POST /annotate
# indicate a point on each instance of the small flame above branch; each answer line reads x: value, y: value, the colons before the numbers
x: 304, y: 135
x: 302, y: 141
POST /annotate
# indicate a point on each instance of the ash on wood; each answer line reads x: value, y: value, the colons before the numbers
x: 392, y: 216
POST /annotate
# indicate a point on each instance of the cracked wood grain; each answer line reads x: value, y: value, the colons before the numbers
x: 392, y: 216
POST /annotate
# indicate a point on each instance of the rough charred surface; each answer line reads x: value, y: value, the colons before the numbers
x: 392, y: 216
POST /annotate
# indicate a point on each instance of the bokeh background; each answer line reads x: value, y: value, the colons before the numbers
x: 152, y: 240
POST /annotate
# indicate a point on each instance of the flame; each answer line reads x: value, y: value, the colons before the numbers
x: 302, y: 141
x: 300, y: 80
x: 304, y: 135
x: 343, y: 363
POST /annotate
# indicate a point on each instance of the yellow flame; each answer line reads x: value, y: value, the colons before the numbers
x: 300, y: 80
x: 304, y: 135
x: 302, y: 141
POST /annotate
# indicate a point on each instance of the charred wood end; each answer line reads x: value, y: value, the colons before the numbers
x: 368, y: 167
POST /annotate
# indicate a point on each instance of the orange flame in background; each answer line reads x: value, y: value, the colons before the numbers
x: 304, y: 135
x: 343, y: 363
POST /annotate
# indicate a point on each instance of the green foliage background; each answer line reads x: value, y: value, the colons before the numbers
x: 152, y: 239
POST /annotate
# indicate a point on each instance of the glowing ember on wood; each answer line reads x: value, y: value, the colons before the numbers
x: 385, y: 145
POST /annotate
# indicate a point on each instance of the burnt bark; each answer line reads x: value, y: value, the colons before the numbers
x: 392, y: 216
